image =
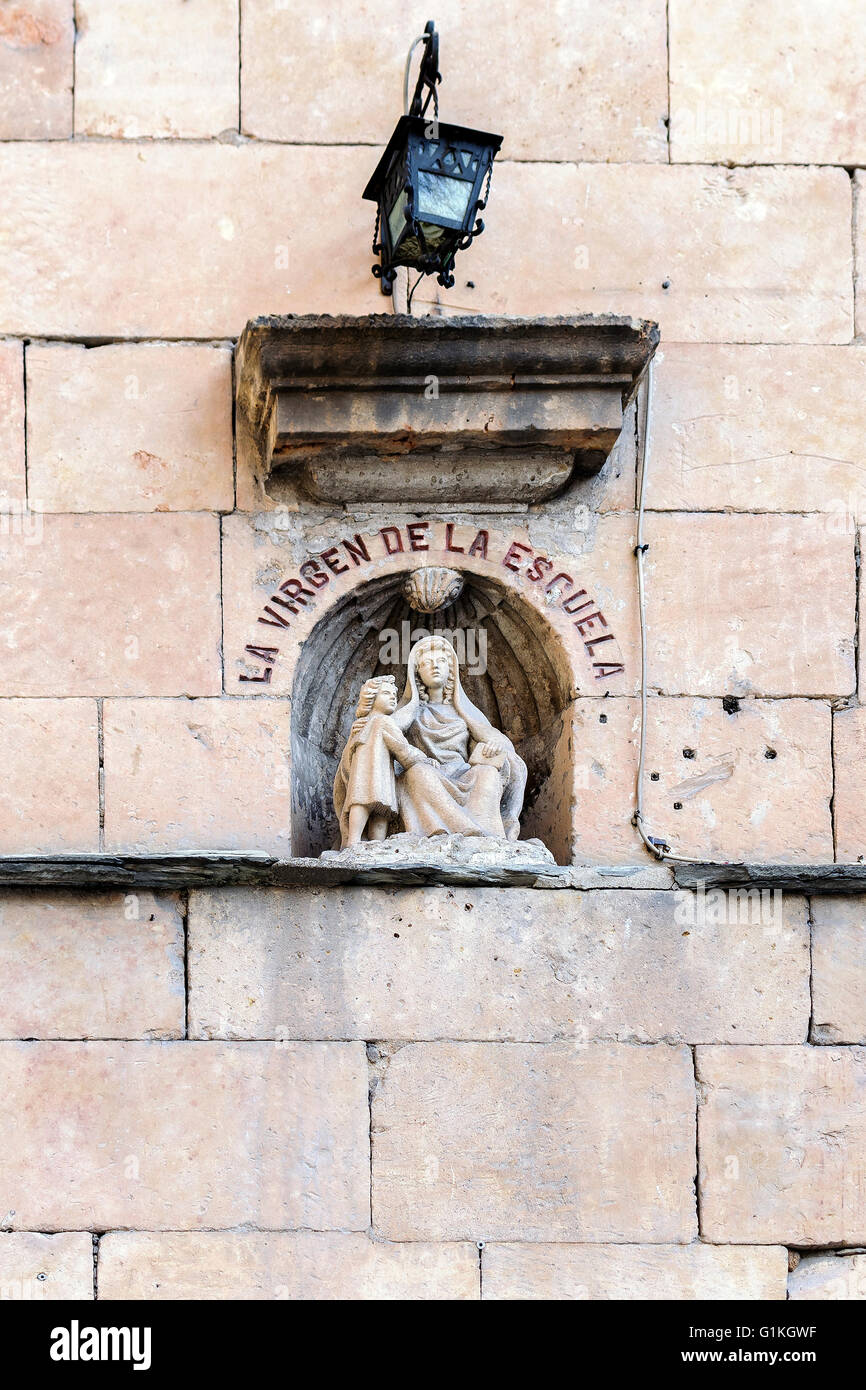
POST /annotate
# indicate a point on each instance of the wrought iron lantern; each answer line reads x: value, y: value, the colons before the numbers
x: 428, y: 184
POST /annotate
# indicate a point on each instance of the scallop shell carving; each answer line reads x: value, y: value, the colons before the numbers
x: 431, y: 588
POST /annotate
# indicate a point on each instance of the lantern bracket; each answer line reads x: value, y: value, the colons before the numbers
x: 429, y: 74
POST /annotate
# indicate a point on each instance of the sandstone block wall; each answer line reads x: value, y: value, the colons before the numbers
x: 597, y: 1093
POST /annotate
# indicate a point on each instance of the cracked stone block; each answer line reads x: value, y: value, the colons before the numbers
x: 849, y: 809
x: 760, y: 428
x: 504, y: 1141
x: 860, y: 247
x: 307, y: 1265
x: 749, y: 605
x: 752, y: 785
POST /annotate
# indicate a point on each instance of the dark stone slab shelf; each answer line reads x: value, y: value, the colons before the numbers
x: 180, y: 871
x: 211, y: 870
x: 791, y: 878
x: 223, y: 869
x: 134, y: 870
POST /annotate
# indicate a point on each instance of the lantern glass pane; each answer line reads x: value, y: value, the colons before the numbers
x: 439, y: 196
x: 397, y: 217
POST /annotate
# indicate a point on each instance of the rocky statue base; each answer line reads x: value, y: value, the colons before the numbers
x: 477, y: 852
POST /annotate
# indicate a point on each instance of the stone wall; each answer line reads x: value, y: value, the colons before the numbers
x: 603, y: 1092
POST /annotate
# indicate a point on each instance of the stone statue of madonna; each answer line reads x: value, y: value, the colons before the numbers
x: 467, y: 778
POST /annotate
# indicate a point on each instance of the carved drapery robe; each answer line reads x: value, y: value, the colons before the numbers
x: 366, y: 774
x: 453, y: 796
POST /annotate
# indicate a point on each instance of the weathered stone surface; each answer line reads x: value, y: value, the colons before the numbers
x: 781, y: 1141
x: 760, y: 429
x: 712, y: 255
x: 37, y: 1268
x: 136, y: 427
x: 839, y: 970
x: 91, y: 966
x: 849, y: 805
x: 520, y: 407
x: 749, y: 605
x: 609, y: 490
x: 859, y: 249
x: 36, y: 42
x: 12, y: 478
x: 49, y: 793
x: 649, y: 873
x: 677, y: 1272
x: 485, y: 853
x: 836, y: 1275
x: 776, y: 83
x: 197, y: 774
x: 496, y: 964
x: 861, y: 644
x: 166, y: 1135
x: 231, y: 253
x: 748, y: 255
x: 790, y: 878
x: 304, y: 1265
x: 755, y: 784
x: 616, y: 72
x: 176, y: 75
x: 504, y: 1141
x: 112, y: 605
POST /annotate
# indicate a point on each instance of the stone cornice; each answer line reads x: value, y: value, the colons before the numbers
x: 390, y: 407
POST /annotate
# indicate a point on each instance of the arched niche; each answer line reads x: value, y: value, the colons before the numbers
x: 524, y: 691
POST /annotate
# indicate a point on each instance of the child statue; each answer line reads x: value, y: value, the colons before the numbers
x: 365, y: 787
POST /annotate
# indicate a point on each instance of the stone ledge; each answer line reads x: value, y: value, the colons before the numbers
x: 190, y: 870
x: 258, y: 868
x: 793, y: 878
x: 470, y: 409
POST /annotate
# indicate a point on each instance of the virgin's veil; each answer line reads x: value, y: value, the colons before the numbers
x: 480, y: 728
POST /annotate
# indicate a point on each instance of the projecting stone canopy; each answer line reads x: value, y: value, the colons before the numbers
x: 468, y: 410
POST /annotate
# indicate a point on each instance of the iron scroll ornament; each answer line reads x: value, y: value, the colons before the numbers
x: 429, y: 185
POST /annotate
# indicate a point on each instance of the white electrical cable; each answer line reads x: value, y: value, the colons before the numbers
x: 656, y: 846
x: 422, y: 38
